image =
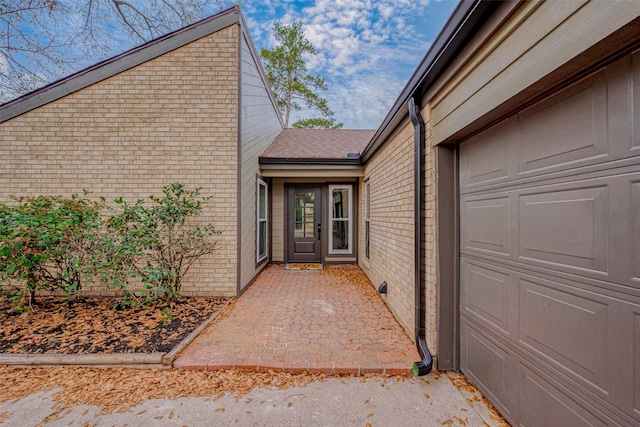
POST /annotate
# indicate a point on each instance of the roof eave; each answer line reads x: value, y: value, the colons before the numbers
x: 309, y: 161
x: 461, y: 26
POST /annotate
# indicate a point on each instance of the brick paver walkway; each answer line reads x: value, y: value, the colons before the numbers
x: 330, y: 321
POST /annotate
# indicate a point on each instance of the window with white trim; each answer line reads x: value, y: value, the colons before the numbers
x: 261, y: 225
x: 340, y: 219
x: 367, y: 210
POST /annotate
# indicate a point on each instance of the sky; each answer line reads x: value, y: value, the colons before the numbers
x: 367, y: 49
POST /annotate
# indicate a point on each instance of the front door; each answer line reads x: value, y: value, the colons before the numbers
x: 304, y: 224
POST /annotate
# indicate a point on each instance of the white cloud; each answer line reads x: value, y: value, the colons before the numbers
x: 367, y: 49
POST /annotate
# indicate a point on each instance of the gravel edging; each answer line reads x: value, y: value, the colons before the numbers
x: 112, y: 360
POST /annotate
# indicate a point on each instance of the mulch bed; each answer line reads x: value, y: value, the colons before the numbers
x: 95, y: 326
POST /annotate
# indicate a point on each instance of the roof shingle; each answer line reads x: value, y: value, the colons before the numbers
x: 318, y: 143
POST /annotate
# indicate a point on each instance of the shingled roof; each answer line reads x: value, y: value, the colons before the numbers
x: 318, y: 144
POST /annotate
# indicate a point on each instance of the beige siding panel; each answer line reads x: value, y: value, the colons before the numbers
x: 260, y: 125
x: 532, y: 45
x: 390, y: 174
x: 171, y: 119
x: 277, y: 220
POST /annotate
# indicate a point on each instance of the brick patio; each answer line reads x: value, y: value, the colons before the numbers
x: 330, y: 321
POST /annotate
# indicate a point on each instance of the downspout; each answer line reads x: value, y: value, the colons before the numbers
x: 422, y: 367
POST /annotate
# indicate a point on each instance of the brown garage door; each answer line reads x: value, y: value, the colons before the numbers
x: 550, y: 256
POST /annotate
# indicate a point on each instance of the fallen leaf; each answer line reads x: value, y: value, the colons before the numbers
x: 220, y: 410
x: 447, y: 422
x: 289, y: 404
x: 426, y: 396
x: 370, y: 414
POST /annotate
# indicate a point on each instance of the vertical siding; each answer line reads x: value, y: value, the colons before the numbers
x: 260, y: 124
x: 392, y: 222
x: 171, y: 119
x: 277, y: 220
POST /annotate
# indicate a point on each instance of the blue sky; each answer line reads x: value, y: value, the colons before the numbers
x: 367, y: 49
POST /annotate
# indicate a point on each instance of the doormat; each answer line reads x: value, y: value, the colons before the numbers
x: 303, y: 266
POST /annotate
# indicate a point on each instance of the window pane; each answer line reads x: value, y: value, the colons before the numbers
x: 308, y: 229
x: 299, y: 231
x: 366, y: 239
x: 298, y: 199
x: 262, y: 241
x: 298, y: 214
x: 367, y: 204
x: 262, y: 213
x: 309, y: 214
x: 340, y: 235
x: 340, y: 203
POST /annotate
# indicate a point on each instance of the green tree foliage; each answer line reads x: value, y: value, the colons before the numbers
x: 317, y: 123
x: 288, y: 75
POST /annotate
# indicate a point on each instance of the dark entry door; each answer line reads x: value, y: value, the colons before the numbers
x: 304, y: 225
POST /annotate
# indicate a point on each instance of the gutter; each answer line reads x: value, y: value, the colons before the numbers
x: 353, y: 161
x: 424, y: 366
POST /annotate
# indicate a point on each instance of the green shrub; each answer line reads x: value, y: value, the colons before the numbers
x: 155, y: 246
x: 46, y: 244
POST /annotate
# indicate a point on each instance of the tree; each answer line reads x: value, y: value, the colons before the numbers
x: 43, y: 40
x: 289, y: 77
x: 317, y: 123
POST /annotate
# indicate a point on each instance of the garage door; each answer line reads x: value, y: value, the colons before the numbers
x: 550, y: 256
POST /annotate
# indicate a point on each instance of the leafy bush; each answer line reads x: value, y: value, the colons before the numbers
x: 46, y: 244
x: 57, y: 244
x: 155, y: 246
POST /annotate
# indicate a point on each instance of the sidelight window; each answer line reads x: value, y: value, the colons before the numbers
x: 261, y: 226
x: 340, y: 219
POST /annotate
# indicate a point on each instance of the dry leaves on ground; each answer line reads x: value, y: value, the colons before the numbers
x: 94, y: 326
x: 120, y: 389
x: 461, y: 382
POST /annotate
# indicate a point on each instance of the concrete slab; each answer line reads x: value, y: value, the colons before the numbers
x: 428, y: 401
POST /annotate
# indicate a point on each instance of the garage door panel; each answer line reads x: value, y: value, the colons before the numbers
x: 487, y: 365
x: 577, y: 118
x: 487, y: 294
x: 636, y: 363
x: 567, y: 228
x: 635, y: 96
x: 635, y: 227
x: 486, y: 225
x: 542, y: 404
x: 485, y: 158
x: 564, y: 325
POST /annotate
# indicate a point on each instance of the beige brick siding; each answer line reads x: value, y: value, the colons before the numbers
x: 390, y: 174
x: 174, y: 118
x: 429, y: 248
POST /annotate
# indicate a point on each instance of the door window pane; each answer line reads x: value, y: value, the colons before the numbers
x: 304, y: 213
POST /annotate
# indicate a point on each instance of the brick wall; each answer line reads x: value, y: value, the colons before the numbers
x: 429, y: 221
x: 390, y: 176
x: 173, y: 118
